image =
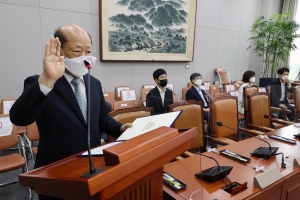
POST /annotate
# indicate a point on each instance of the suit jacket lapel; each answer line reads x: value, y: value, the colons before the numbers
x: 66, y: 91
x: 159, y: 97
x: 196, y: 92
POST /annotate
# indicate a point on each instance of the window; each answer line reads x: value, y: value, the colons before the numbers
x: 295, y: 55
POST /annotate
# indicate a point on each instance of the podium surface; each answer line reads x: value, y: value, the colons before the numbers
x: 138, y: 176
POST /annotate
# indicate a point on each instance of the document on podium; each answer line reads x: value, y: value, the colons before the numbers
x: 146, y: 124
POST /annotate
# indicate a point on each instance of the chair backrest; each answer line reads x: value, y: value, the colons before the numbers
x: 297, y: 98
x: 259, y: 106
x: 175, y: 98
x: 184, y: 90
x: 214, y: 89
x: 6, y: 104
x: 146, y: 86
x: 125, y: 104
x: 128, y: 95
x: 224, y: 76
x: 118, y: 91
x: 221, y: 94
x: 32, y: 132
x: 191, y: 116
x: 229, y: 88
x: 262, y: 89
x: 128, y: 115
x: 109, y: 97
x: 170, y: 86
x: 206, y: 84
x: 234, y: 93
x: 8, y: 133
x: 144, y: 92
x: 246, y: 91
x: 190, y: 84
x: 224, y: 109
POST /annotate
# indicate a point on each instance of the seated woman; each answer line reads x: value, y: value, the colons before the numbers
x: 248, y: 79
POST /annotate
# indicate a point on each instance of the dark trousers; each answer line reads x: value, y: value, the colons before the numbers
x: 290, y: 116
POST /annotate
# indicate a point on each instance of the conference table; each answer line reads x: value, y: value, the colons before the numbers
x: 287, y: 187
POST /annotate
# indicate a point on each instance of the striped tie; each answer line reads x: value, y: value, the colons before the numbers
x: 79, y: 96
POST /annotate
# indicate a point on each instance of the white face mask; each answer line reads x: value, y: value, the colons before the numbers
x: 252, y: 80
x: 76, y: 65
x: 198, y: 82
x: 284, y: 77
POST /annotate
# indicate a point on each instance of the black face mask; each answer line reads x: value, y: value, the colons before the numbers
x: 163, y: 82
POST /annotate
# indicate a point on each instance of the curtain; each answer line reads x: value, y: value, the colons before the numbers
x: 290, y: 6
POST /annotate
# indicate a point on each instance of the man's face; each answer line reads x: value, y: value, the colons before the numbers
x: 78, y: 44
x: 282, y: 75
x: 161, y: 77
x: 197, y: 78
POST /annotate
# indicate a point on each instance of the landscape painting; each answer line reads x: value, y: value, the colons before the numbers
x: 147, y: 30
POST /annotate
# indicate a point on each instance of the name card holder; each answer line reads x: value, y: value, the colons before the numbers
x: 297, y: 162
x: 267, y: 178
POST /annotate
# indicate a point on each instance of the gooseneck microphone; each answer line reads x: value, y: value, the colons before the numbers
x: 92, y: 171
x: 261, y: 152
x: 214, y: 173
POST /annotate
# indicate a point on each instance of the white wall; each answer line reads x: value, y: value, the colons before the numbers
x: 222, y: 30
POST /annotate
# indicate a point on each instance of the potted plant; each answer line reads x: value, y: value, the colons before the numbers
x: 273, y: 39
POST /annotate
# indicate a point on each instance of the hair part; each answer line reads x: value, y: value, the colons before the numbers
x: 194, y: 75
x: 247, y: 75
x: 62, y: 37
x: 158, y: 72
x: 282, y: 70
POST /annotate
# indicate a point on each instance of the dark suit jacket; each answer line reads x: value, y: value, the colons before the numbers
x: 276, y: 93
x: 154, y: 100
x: 193, y: 94
x: 59, y: 119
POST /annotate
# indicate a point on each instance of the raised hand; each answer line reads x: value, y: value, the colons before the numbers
x: 53, y: 64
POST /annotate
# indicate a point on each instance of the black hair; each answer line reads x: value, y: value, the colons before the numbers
x: 158, y: 72
x: 194, y: 75
x: 62, y: 37
x: 282, y: 70
x: 247, y: 75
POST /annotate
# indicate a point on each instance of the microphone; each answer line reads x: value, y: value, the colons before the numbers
x: 92, y: 171
x: 214, y: 173
x: 261, y: 152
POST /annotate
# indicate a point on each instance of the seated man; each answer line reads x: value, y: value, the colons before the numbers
x: 196, y: 93
x: 279, y: 89
x: 159, y: 97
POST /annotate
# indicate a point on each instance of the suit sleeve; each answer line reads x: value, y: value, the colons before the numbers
x: 106, y: 123
x: 274, y: 96
x: 29, y: 105
x: 189, y: 95
x: 150, y: 101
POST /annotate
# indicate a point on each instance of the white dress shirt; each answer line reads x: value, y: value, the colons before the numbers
x: 69, y: 78
x: 162, y: 94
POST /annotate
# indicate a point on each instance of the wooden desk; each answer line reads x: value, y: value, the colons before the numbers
x: 286, y: 188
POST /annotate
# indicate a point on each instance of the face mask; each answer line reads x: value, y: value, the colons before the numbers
x: 76, y: 65
x: 284, y: 77
x: 198, y: 82
x: 163, y: 82
x: 252, y: 80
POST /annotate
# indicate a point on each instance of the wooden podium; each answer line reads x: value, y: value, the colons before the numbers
x: 136, y: 172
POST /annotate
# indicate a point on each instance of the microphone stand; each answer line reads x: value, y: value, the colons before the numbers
x: 92, y: 171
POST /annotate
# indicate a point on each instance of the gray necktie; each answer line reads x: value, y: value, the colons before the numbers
x: 79, y: 96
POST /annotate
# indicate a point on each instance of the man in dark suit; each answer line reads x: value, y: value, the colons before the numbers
x: 56, y: 100
x: 279, y: 89
x: 196, y: 93
x: 160, y: 96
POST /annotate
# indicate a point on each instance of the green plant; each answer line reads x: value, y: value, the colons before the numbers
x: 273, y: 40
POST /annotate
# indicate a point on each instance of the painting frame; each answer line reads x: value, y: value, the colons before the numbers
x: 187, y: 49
